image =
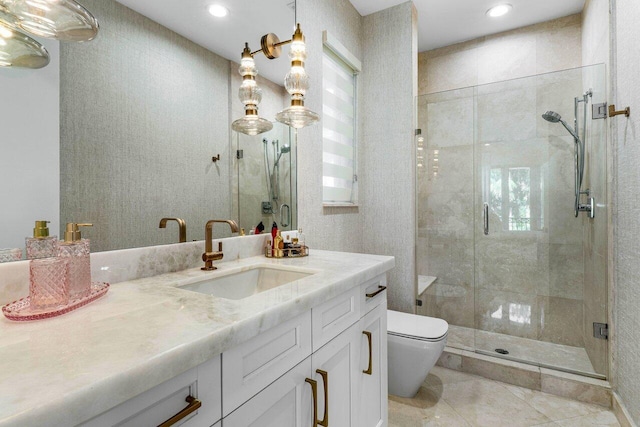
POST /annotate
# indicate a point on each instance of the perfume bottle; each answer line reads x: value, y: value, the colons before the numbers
x: 77, y: 251
x: 48, y: 283
x: 41, y: 245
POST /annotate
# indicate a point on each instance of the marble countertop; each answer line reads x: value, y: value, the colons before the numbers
x: 66, y: 370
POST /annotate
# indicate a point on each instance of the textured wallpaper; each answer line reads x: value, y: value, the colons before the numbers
x: 627, y: 220
x: 388, y: 190
x: 143, y: 110
x: 336, y: 229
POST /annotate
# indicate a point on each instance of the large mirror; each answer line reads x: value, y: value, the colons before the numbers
x: 122, y: 131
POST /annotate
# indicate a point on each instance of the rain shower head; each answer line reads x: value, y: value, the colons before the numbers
x: 553, y: 117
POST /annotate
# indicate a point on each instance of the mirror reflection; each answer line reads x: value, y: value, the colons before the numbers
x: 122, y: 131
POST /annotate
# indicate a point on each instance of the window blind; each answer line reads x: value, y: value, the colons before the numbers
x: 339, y: 131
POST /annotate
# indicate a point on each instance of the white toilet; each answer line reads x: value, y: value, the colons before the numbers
x: 414, y: 345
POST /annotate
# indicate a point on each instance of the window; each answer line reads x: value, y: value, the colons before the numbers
x: 516, y: 197
x: 339, y: 124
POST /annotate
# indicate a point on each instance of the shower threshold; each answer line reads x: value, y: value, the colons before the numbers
x: 543, y: 354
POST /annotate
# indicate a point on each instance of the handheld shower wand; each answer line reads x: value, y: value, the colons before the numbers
x: 553, y: 117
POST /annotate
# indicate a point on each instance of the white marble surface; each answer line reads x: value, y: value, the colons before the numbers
x: 65, y: 370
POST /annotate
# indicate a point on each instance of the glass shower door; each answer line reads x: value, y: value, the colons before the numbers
x: 531, y: 258
x: 445, y: 212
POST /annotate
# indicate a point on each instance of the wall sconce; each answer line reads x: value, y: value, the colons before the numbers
x: 250, y: 94
x: 64, y: 20
x: 296, y: 82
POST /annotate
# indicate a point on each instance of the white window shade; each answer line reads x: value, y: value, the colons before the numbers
x: 339, y: 128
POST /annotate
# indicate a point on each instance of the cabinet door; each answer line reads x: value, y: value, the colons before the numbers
x: 373, y: 405
x: 288, y: 402
x: 335, y: 368
x: 169, y: 399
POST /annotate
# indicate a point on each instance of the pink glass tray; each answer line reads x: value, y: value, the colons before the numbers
x: 20, y: 310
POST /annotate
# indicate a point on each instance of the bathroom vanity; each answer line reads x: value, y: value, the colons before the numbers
x: 301, y: 338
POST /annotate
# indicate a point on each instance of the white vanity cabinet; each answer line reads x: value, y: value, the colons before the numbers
x: 350, y: 385
x: 191, y: 399
x: 329, y: 363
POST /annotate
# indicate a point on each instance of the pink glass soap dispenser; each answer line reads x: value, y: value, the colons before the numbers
x: 77, y: 251
x: 41, y: 245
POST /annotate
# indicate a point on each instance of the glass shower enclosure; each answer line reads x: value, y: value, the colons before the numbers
x: 501, y: 255
x: 264, y: 179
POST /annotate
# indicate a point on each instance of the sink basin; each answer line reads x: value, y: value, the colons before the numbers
x: 246, y: 283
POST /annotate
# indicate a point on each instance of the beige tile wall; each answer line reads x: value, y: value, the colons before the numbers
x: 539, y: 48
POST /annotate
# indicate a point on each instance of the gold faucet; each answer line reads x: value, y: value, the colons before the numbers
x: 181, y: 224
x: 209, y: 256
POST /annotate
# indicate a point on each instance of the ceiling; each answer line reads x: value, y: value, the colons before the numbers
x: 440, y: 22
x: 445, y: 22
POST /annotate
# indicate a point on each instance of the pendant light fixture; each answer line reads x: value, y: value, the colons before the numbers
x: 18, y: 49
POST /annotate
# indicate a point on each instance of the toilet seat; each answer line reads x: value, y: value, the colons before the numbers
x: 422, y: 328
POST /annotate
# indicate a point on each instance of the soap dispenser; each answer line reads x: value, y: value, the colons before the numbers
x: 41, y: 245
x: 77, y: 250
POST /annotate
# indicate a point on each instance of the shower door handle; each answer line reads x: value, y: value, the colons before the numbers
x: 285, y: 220
x: 486, y: 219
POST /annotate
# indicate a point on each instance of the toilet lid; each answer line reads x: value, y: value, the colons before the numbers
x: 412, y: 325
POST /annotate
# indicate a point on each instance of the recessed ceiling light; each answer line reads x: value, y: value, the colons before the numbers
x: 218, y: 11
x: 499, y: 10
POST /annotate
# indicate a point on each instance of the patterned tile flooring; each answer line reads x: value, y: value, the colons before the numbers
x: 452, y: 398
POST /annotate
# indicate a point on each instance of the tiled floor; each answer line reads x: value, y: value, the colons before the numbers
x: 452, y: 398
x: 573, y: 359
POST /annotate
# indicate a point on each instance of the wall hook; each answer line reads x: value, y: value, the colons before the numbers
x: 613, y: 112
x: 215, y: 158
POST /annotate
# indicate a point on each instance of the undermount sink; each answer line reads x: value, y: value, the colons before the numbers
x: 246, y: 283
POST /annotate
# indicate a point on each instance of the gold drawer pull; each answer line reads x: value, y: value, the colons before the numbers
x: 380, y: 290
x: 325, y: 380
x: 369, y: 370
x: 193, y: 405
x: 314, y: 395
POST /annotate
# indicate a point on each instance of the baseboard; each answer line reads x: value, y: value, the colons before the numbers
x: 623, y: 416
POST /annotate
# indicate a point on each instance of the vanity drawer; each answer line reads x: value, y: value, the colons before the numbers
x: 168, y: 399
x: 328, y: 320
x: 373, y: 293
x: 253, y: 365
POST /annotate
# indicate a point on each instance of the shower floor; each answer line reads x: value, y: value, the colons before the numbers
x: 539, y: 353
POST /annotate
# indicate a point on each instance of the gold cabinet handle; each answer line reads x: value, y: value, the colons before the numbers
x: 314, y: 395
x: 193, y: 405
x: 369, y: 370
x: 325, y: 380
x: 380, y: 290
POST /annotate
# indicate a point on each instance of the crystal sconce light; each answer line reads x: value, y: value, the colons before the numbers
x: 64, y: 20
x: 250, y: 94
x: 296, y: 82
